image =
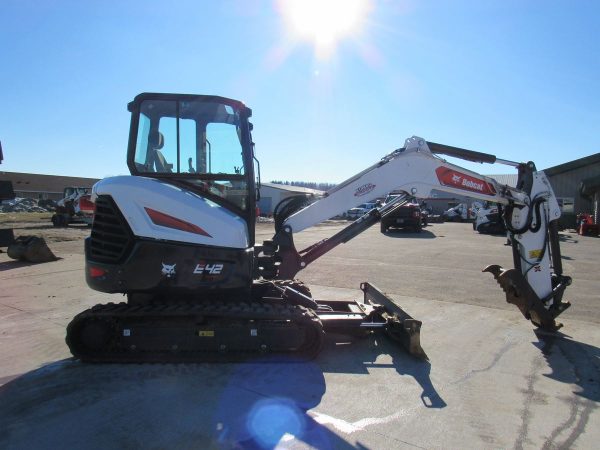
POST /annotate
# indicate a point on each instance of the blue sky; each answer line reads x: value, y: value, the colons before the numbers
x: 519, y: 79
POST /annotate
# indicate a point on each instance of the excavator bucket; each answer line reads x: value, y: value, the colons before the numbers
x: 520, y: 293
x: 30, y: 249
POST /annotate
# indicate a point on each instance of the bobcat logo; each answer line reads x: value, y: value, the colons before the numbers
x: 456, y: 179
x: 168, y: 270
x: 364, y: 189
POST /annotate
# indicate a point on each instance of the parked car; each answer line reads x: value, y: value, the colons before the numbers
x: 408, y: 215
x: 428, y: 216
x: 359, y: 211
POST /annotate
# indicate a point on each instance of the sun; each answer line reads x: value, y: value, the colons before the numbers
x: 324, y: 22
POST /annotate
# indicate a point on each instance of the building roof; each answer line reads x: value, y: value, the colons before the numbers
x: 572, y: 165
x: 33, y: 182
x: 290, y: 188
x: 509, y: 179
x: 589, y: 186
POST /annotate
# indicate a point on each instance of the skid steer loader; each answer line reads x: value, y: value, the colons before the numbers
x: 177, y: 237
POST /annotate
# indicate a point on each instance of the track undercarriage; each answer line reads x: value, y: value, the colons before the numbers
x: 272, y: 327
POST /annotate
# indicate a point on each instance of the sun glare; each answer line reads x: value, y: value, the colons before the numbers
x: 324, y: 22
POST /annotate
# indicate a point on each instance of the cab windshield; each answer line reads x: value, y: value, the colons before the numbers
x: 201, y: 139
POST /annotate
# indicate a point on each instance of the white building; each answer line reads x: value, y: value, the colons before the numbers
x: 271, y: 194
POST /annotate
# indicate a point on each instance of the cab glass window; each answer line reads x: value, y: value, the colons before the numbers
x: 142, y: 140
x: 202, y: 138
x: 224, y: 149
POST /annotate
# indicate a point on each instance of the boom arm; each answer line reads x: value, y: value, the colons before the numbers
x: 535, y: 285
x: 413, y: 169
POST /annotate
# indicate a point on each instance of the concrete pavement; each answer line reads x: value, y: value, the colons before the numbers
x: 491, y: 381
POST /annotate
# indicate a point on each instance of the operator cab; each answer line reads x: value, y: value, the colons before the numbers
x: 200, y: 142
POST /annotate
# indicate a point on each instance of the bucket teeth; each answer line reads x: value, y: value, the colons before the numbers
x: 505, y: 280
x: 520, y: 293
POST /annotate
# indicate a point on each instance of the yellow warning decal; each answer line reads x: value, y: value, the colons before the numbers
x: 206, y: 333
x: 535, y: 253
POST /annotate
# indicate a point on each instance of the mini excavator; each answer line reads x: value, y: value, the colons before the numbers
x: 177, y: 237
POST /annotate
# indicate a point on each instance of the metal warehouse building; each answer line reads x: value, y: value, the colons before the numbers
x: 33, y: 185
x: 37, y: 186
x: 576, y: 184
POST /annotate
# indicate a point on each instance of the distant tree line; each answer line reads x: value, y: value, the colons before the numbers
x: 307, y: 184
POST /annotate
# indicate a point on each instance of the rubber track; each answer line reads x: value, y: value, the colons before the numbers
x: 113, y: 314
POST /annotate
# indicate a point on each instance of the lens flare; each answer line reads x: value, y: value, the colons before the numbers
x: 270, y: 420
x: 324, y: 22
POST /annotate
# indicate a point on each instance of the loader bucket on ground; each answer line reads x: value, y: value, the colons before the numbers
x: 521, y: 294
x: 401, y: 327
x: 30, y: 249
x: 7, y: 237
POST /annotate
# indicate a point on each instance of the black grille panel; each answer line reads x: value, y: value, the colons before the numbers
x: 111, y: 239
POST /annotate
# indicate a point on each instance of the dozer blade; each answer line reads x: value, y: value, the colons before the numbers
x: 400, y: 326
x: 520, y: 293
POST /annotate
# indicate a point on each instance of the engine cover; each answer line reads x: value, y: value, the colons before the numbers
x: 150, y: 237
x: 158, y: 210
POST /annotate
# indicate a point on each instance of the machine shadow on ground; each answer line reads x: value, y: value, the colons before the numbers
x: 37, y: 226
x: 68, y: 404
x: 401, y: 233
x: 15, y: 264
x: 343, y: 354
x: 562, y: 237
x: 572, y: 362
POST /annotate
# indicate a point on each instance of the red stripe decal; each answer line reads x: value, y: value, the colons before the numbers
x: 452, y: 178
x: 164, y: 220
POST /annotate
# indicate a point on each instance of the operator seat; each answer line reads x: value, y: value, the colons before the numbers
x: 156, y: 140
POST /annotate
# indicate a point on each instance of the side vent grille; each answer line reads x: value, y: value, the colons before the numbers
x: 111, y: 238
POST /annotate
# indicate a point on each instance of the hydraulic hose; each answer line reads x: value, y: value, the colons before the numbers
x: 535, y: 206
x: 538, y: 217
x: 287, y: 207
